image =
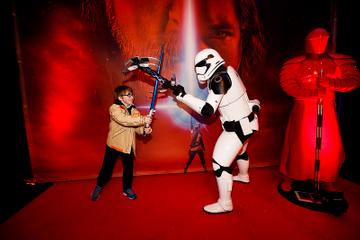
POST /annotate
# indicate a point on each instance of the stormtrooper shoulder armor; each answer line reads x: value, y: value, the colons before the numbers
x: 220, y: 83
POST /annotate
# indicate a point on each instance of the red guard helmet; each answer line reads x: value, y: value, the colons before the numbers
x: 316, y: 41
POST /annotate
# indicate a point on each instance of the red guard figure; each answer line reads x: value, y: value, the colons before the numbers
x: 312, y: 81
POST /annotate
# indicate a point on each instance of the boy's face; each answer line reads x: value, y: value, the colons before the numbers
x: 127, y: 98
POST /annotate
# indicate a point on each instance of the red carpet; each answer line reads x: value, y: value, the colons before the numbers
x: 170, y: 207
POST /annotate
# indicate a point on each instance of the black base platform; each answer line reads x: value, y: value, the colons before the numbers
x: 304, y: 194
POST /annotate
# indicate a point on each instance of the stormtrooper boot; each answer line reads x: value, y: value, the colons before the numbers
x: 243, y: 175
x: 224, y: 203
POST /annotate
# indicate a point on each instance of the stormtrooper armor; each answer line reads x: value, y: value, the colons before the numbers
x: 227, y: 94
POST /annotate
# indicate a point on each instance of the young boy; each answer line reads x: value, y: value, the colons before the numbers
x: 125, y: 122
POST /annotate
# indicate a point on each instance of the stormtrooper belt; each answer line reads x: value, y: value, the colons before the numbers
x: 235, y: 126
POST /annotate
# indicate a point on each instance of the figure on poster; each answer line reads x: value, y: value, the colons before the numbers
x: 197, y: 146
x: 139, y: 28
x: 125, y: 122
x: 227, y: 94
x: 312, y: 79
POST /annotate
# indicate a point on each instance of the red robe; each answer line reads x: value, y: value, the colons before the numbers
x: 309, y: 79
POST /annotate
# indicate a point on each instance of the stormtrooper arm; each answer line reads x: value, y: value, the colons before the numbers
x: 205, y: 108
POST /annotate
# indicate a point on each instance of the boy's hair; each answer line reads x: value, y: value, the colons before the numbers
x: 121, y: 89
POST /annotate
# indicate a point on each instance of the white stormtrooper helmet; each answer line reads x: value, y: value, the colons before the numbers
x: 206, y: 63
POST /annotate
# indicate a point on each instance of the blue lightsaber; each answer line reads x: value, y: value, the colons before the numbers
x: 156, y: 86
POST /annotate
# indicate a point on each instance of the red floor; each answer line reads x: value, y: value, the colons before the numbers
x: 170, y: 207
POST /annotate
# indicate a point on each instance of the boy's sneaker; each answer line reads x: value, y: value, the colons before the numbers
x: 95, y: 195
x: 130, y: 194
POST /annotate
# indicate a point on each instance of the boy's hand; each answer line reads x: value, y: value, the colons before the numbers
x: 147, y: 130
x: 148, y: 120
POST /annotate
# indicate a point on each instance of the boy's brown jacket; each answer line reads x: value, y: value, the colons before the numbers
x: 122, y: 128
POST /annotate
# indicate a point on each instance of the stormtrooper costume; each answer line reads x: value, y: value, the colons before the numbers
x: 227, y: 94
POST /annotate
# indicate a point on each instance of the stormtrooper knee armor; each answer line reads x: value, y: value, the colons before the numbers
x: 243, y: 165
